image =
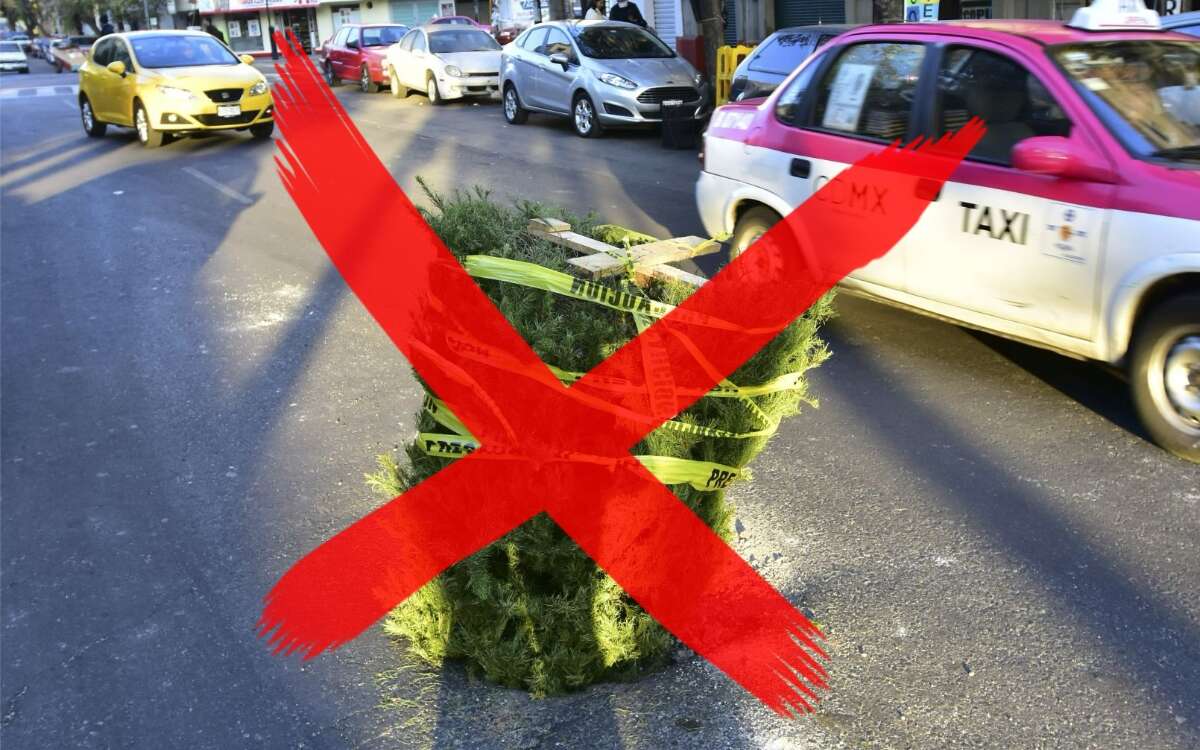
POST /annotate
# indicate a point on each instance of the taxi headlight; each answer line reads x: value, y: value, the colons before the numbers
x: 454, y: 71
x: 612, y: 79
x: 176, y: 94
x: 258, y: 89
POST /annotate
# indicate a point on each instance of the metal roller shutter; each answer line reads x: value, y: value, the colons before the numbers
x: 808, y: 12
x: 412, y: 13
x: 731, y: 34
x: 664, y: 20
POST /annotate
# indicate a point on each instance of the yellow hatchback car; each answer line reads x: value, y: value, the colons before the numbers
x: 172, y: 83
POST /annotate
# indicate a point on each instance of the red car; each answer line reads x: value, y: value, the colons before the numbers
x: 356, y: 52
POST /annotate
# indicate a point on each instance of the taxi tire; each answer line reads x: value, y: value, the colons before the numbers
x: 751, y: 225
x: 519, y: 113
x: 1178, y: 316
x: 98, y: 128
x: 154, y: 138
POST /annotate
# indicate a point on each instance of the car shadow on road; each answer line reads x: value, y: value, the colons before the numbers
x: 1096, y: 386
x: 1148, y: 637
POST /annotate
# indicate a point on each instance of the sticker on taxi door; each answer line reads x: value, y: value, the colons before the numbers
x: 1069, y: 232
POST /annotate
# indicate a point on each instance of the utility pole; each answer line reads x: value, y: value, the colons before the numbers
x: 712, y: 29
x: 146, y: 10
x: 271, y: 33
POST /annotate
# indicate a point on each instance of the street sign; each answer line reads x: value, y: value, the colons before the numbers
x: 916, y: 11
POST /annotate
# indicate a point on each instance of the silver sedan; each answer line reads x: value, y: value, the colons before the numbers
x: 597, y: 73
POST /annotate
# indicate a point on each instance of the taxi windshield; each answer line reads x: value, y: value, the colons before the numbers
x: 180, y: 51
x: 1146, y: 91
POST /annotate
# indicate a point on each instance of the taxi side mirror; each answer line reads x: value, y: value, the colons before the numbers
x: 1060, y: 157
x: 248, y: 59
x: 117, y: 67
x: 559, y: 58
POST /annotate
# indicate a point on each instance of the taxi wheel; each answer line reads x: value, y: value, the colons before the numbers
x: 399, y: 90
x: 1165, y: 374
x: 149, y: 137
x: 330, y: 77
x: 583, y: 117
x: 750, y: 226
x: 262, y: 131
x: 513, y: 111
x: 91, y: 125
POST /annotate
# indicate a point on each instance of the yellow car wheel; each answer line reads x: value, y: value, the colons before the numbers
x: 91, y: 125
x: 262, y: 131
x: 149, y: 137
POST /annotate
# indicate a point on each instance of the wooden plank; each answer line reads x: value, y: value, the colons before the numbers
x: 599, y: 259
x: 669, y: 273
x: 548, y: 226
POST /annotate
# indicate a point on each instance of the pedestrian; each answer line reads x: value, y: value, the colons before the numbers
x: 211, y: 29
x: 106, y: 26
x: 595, y: 11
x: 627, y: 12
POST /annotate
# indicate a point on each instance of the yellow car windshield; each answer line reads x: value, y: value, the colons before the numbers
x: 177, y: 51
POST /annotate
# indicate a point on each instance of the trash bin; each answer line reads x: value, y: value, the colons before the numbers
x: 678, y: 124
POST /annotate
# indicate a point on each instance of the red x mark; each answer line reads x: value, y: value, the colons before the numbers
x: 549, y: 448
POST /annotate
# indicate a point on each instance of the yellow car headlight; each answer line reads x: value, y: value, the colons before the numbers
x: 258, y: 89
x: 176, y: 94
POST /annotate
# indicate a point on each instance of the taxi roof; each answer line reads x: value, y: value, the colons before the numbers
x: 1039, y: 31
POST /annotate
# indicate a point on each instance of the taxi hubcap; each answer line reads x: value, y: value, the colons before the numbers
x: 394, y: 81
x: 1181, y: 378
x: 432, y: 90
x: 366, y: 80
x: 583, y: 116
x: 510, y: 104
x: 143, y: 128
x: 87, y: 115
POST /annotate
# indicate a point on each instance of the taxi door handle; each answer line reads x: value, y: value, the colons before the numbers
x: 800, y: 168
x: 929, y: 190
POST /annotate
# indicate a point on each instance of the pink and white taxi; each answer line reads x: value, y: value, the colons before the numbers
x: 1074, y: 224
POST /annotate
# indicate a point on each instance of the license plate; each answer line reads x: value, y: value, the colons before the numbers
x: 229, y: 110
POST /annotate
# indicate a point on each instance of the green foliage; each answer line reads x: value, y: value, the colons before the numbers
x: 531, y: 610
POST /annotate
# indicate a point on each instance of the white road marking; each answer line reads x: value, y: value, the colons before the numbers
x: 35, y: 91
x: 221, y: 187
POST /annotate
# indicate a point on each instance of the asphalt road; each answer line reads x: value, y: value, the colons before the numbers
x: 191, y: 397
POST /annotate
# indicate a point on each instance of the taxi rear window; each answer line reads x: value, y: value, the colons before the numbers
x: 869, y: 90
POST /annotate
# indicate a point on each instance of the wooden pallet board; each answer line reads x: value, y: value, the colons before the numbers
x: 650, y: 260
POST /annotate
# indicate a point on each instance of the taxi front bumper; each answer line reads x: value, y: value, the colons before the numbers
x: 713, y: 194
x: 196, y: 114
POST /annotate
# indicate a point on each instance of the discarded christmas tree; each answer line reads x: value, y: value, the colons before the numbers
x: 532, y: 610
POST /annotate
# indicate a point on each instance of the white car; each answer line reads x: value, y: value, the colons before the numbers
x: 12, y: 57
x: 1073, y: 225
x: 444, y: 61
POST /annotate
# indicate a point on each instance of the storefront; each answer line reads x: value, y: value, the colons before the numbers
x: 245, y: 23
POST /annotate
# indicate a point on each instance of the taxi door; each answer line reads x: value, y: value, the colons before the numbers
x: 1023, y: 248
x: 850, y: 102
x: 120, y: 90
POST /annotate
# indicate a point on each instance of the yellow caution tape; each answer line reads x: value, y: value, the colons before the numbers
x: 705, y: 476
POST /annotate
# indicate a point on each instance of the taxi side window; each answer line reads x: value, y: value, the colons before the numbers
x: 407, y: 41
x: 419, y: 43
x: 1013, y: 104
x: 869, y: 90
x: 789, y: 107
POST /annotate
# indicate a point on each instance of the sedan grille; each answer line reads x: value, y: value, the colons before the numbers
x: 241, y: 119
x: 666, y: 93
x: 225, y: 95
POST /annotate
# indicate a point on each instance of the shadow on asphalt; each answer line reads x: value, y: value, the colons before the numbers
x: 1151, y: 640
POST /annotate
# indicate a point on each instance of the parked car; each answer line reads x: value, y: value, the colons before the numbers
x: 597, y: 73
x: 42, y: 46
x: 356, y: 52
x: 1184, y: 23
x: 505, y: 32
x: 21, y: 38
x: 12, y: 57
x: 460, y: 21
x: 776, y: 58
x: 1074, y: 223
x: 446, y: 62
x: 69, y: 54
x: 172, y: 83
